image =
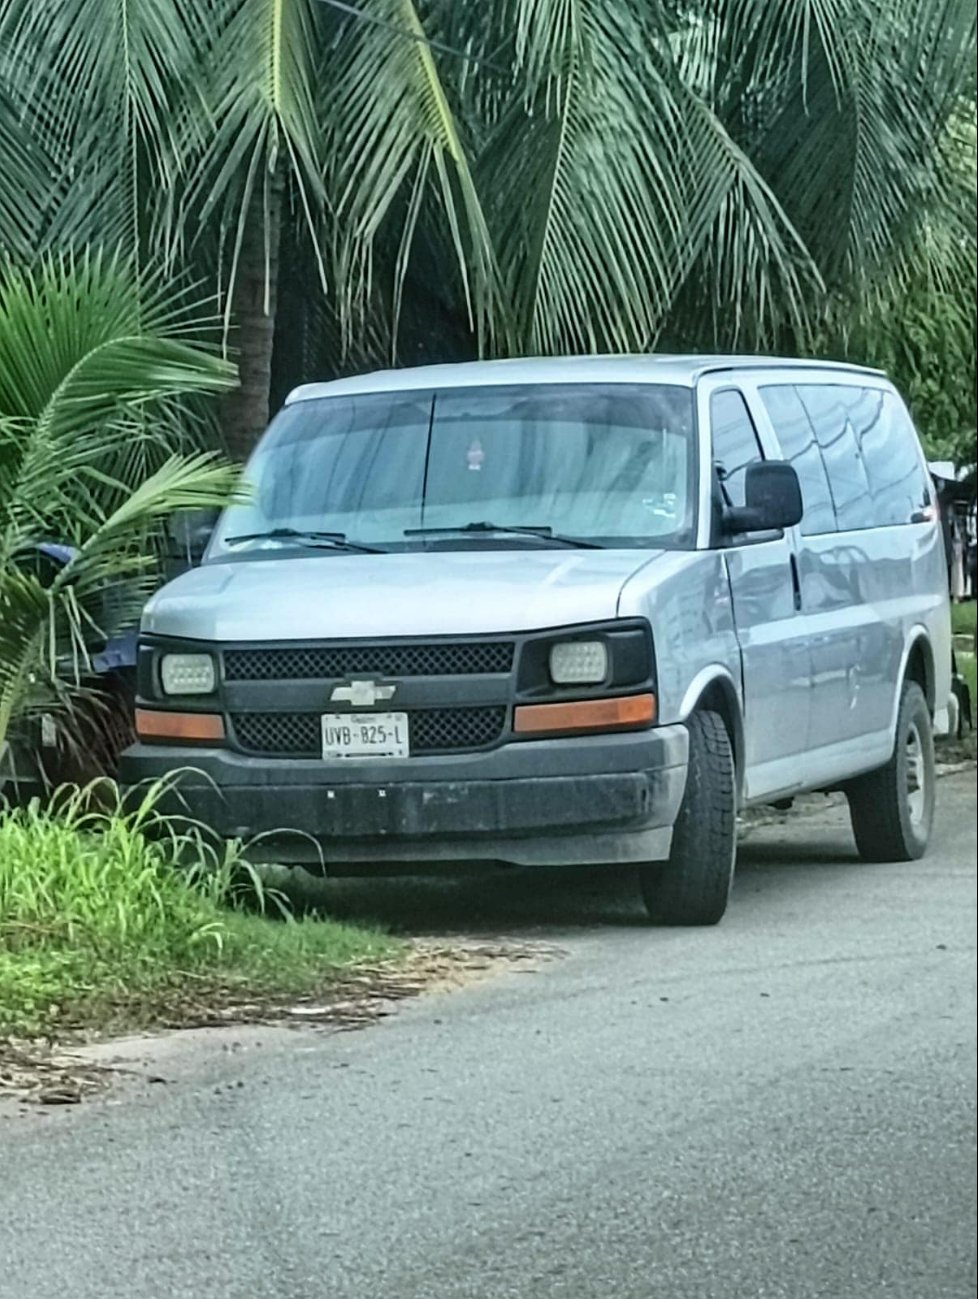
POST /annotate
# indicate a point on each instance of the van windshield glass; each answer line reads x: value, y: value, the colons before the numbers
x: 612, y: 465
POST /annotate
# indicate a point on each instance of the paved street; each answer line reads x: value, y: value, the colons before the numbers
x: 781, y: 1107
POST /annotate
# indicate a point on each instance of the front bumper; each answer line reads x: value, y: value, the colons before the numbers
x: 592, y: 800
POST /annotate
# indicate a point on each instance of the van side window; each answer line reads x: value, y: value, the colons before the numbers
x: 848, y: 481
x: 798, y: 446
x: 735, y: 443
x: 888, y: 442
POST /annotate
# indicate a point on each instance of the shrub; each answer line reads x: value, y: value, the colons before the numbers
x: 97, y: 919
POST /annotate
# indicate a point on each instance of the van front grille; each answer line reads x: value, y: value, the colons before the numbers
x: 340, y: 662
x: 432, y: 730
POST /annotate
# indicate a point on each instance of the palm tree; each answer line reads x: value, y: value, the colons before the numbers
x: 190, y: 132
x: 366, y: 180
x: 95, y: 383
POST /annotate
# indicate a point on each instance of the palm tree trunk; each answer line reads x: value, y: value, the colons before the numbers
x: 254, y: 301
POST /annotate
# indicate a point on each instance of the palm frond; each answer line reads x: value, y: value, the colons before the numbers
x: 82, y: 335
x: 43, y: 626
x: 587, y: 199
x: 619, y: 185
x: 747, y: 274
x: 252, y: 120
x: 394, y: 133
x: 24, y: 609
x: 857, y: 97
x: 92, y: 356
x: 27, y: 175
x: 103, y: 77
x: 511, y: 175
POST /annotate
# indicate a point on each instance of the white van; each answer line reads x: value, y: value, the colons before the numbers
x: 561, y: 612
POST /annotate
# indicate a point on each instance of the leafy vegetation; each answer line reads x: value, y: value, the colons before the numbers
x: 96, y: 376
x: 422, y: 179
x: 963, y: 626
x: 97, y: 924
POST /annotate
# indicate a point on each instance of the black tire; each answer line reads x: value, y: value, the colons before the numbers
x: 693, y: 886
x: 892, y: 808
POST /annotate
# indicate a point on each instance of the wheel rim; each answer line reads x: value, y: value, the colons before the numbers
x: 916, y: 777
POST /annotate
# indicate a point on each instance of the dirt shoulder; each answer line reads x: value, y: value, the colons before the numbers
x: 86, y: 1062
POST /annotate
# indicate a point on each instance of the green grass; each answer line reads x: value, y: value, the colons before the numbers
x: 963, y: 618
x: 966, y: 666
x: 97, y: 926
x: 963, y: 625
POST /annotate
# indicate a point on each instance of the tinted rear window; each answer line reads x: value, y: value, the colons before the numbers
x: 828, y: 409
x: 888, y: 445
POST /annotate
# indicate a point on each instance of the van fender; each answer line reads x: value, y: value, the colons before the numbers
x: 917, y: 664
x: 713, y: 687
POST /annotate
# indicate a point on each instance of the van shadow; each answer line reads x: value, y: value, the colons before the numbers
x: 537, y: 901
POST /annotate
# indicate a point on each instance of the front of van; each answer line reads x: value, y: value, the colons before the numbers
x: 406, y: 645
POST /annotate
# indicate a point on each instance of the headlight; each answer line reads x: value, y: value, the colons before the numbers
x: 187, y: 674
x: 579, y: 662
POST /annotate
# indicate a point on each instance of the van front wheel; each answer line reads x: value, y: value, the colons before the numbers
x: 693, y: 886
x: 892, y: 808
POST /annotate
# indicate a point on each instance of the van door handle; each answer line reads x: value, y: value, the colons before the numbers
x: 795, y: 583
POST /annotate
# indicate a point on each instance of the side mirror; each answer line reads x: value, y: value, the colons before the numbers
x: 773, y: 496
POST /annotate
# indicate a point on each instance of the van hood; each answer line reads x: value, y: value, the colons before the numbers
x: 431, y: 593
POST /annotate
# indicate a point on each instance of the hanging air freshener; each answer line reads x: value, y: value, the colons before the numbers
x: 475, y: 457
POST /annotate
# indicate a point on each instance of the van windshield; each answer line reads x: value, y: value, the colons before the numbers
x: 610, y: 465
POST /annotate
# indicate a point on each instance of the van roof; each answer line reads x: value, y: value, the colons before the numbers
x: 681, y: 370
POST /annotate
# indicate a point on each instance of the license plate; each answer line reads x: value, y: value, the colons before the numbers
x: 377, y: 735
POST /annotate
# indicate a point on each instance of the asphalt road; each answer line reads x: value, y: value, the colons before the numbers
x: 783, y: 1106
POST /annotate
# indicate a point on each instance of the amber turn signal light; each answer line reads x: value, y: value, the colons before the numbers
x: 152, y: 725
x: 586, y: 715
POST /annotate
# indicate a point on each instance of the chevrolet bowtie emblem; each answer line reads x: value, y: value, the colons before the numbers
x: 362, y: 694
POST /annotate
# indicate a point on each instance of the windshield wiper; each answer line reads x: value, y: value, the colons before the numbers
x: 327, y: 540
x: 540, y: 532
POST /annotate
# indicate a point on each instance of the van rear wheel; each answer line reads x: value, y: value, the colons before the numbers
x: 892, y: 808
x: 693, y: 886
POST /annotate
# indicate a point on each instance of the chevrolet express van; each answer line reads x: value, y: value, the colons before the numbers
x: 561, y: 612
